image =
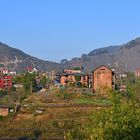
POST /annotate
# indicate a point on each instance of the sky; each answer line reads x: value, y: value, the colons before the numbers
x: 62, y: 29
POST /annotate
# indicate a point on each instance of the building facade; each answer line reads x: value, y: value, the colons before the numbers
x: 4, y: 111
x: 137, y: 73
x: 103, y: 77
x: 74, y: 76
x: 5, y: 82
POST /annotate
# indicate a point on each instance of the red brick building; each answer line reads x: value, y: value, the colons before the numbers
x: 5, y: 82
x: 4, y: 111
x: 137, y: 73
x: 71, y: 76
x: 103, y: 77
x: 3, y: 71
x: 72, y: 71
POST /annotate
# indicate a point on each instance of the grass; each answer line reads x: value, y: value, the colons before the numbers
x: 91, y: 101
x: 54, y: 121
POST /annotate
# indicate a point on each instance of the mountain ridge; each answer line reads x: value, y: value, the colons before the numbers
x: 16, y: 59
x: 123, y: 57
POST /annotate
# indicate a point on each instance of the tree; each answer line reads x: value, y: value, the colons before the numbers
x: 43, y: 81
x: 17, y: 98
x: 77, y: 68
x: 14, y: 98
x: 29, y: 82
x: 78, y: 79
x: 120, y: 122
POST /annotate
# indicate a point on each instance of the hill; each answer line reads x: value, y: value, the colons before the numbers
x: 123, y: 58
x: 15, y: 59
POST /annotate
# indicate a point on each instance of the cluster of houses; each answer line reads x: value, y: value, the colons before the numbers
x: 100, y: 78
x: 6, y: 78
x: 73, y: 76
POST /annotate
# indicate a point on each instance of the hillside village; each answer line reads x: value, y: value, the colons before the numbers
x: 55, y: 100
x: 69, y: 70
x: 32, y: 81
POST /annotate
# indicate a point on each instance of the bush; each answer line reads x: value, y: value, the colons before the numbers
x: 63, y: 95
x: 120, y: 122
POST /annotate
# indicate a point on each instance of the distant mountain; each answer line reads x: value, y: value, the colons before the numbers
x: 15, y: 59
x: 123, y: 58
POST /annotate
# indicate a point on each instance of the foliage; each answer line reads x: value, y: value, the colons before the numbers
x: 131, y: 79
x: 44, y: 81
x: 103, y: 91
x: 3, y: 93
x: 92, y: 101
x: 77, y: 78
x: 120, y: 122
x: 63, y: 95
x: 133, y: 90
x: 77, y: 68
x: 78, y: 83
x: 14, y: 98
x: 28, y: 81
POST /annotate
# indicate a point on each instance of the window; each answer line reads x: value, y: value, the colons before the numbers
x: 102, y: 70
x: 84, y: 78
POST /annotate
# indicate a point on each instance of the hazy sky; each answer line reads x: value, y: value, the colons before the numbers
x: 57, y: 29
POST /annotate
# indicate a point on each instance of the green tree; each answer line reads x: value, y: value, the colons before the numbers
x: 16, y: 98
x: 119, y: 122
x: 78, y: 79
x: 77, y: 68
x: 29, y: 82
x: 44, y: 81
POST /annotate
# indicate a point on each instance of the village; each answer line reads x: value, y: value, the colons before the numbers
x: 53, y: 102
x: 69, y: 70
x: 98, y: 83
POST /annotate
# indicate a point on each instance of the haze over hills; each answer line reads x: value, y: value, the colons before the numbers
x: 122, y: 58
x: 15, y: 59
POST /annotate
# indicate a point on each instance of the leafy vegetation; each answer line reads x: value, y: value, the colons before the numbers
x: 44, y: 81
x: 88, y: 101
x: 121, y: 121
x: 28, y: 81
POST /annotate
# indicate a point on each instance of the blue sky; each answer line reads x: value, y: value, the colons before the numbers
x: 57, y: 29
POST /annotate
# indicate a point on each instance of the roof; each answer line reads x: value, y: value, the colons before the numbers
x: 138, y: 69
x: 4, y: 106
x: 101, y: 66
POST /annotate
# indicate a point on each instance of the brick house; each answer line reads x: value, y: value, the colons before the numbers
x: 70, y: 76
x: 137, y: 73
x: 66, y: 78
x: 6, y: 82
x: 103, y: 77
x: 4, y: 71
x: 4, y: 111
x: 85, y: 80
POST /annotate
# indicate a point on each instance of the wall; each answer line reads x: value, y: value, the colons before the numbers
x: 102, y: 77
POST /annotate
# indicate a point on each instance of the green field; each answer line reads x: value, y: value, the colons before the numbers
x: 91, y: 101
